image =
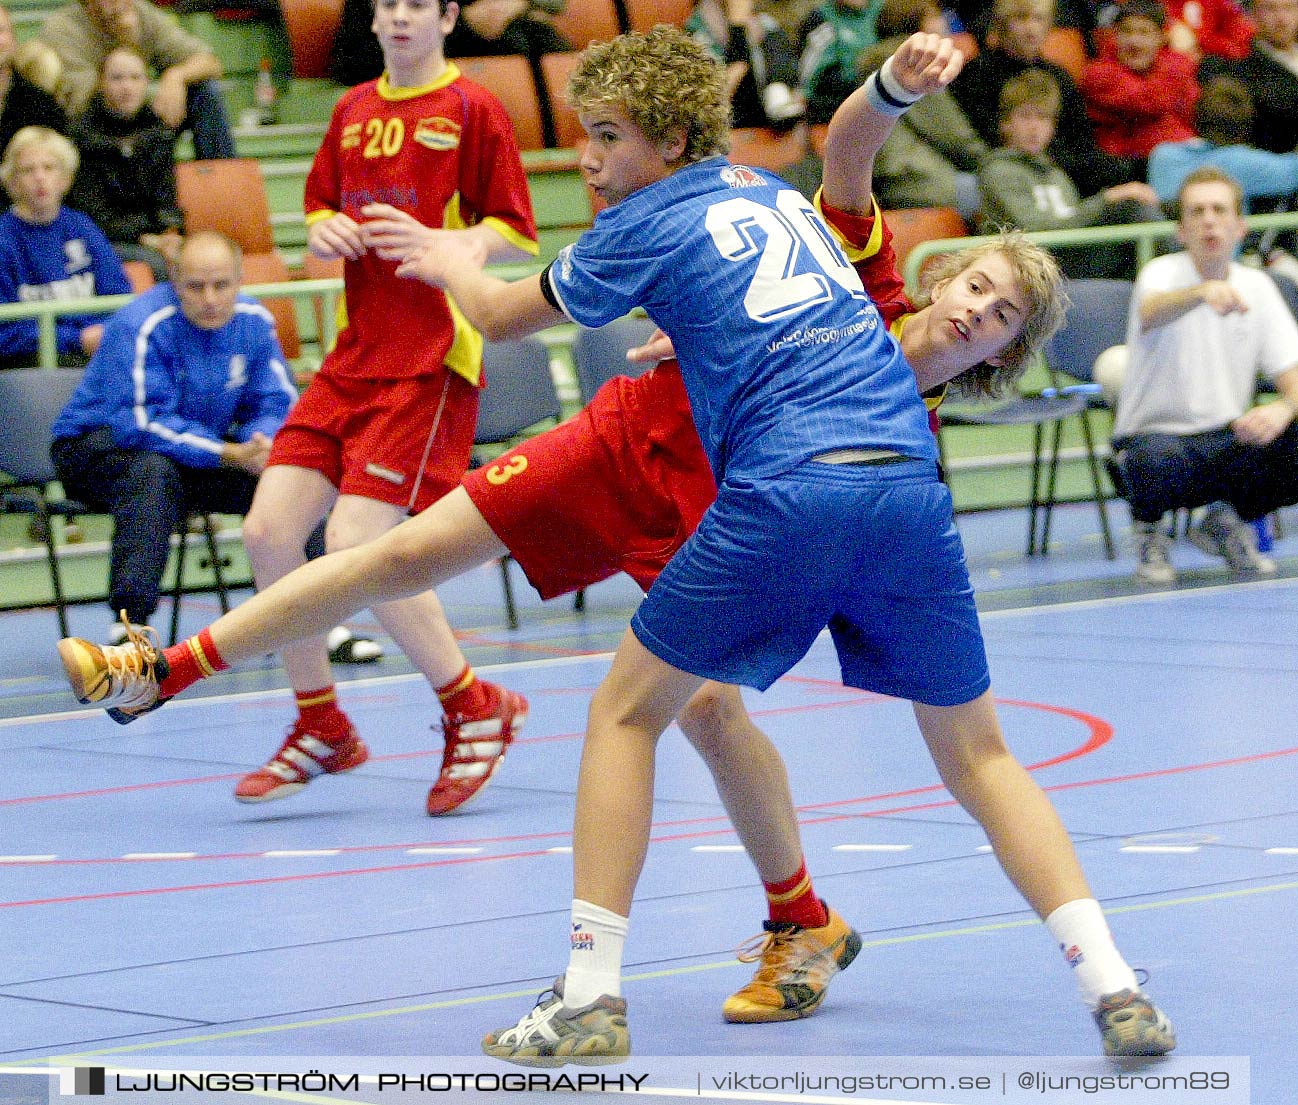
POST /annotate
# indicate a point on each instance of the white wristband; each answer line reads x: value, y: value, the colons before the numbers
x: 887, y: 95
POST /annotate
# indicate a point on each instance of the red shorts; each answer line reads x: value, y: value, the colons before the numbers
x: 619, y: 487
x: 383, y: 439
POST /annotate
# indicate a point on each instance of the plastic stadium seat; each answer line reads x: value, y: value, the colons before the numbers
x: 1066, y: 47
x: 556, y: 68
x: 510, y: 78
x: 270, y: 268
x: 229, y: 196
x: 765, y: 148
x: 311, y: 26
x: 140, y: 275
x: 584, y: 21
x: 1097, y: 319
x: 519, y: 393
x: 643, y: 14
x: 912, y: 225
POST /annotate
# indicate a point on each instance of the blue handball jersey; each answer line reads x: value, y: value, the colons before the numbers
x: 783, y: 354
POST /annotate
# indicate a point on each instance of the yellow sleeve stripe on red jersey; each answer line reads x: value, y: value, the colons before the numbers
x: 854, y: 252
x: 934, y: 396
x: 315, y: 216
x: 512, y: 236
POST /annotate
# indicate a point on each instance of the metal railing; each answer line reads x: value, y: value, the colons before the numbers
x: 1144, y: 235
x: 326, y: 291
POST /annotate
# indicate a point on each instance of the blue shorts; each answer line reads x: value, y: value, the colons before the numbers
x: 872, y: 552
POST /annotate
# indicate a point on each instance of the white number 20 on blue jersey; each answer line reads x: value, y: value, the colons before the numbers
x: 792, y: 226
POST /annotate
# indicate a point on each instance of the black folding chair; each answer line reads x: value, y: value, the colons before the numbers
x: 519, y: 395
x: 1097, y: 319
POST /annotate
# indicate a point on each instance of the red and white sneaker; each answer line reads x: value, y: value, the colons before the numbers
x: 303, y: 755
x: 475, y: 749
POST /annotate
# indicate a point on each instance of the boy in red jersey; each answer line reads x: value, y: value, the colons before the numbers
x: 644, y: 484
x: 386, y: 426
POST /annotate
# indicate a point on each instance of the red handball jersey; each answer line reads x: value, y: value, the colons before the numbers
x: 444, y: 153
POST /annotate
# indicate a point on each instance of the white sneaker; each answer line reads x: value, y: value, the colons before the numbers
x: 1152, y: 547
x: 346, y: 647
x: 1221, y: 533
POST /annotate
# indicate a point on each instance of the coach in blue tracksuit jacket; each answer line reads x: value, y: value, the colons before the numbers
x: 175, y: 414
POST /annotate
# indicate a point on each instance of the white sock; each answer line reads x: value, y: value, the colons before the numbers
x: 1083, y: 936
x: 595, y: 959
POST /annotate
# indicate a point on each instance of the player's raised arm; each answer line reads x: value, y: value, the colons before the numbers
x: 922, y: 64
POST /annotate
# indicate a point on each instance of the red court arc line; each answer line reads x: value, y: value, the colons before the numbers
x: 457, y: 861
x: 1101, y: 732
x: 198, y: 780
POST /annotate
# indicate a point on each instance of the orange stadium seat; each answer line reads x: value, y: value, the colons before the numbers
x: 1067, y: 49
x: 556, y: 68
x: 643, y: 14
x: 584, y: 21
x: 912, y: 225
x: 510, y: 78
x: 311, y: 26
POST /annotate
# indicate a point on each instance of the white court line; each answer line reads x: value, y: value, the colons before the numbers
x: 1161, y: 849
x: 1125, y: 600
x: 872, y: 847
x: 1282, y: 851
x: 27, y: 859
x: 565, y: 850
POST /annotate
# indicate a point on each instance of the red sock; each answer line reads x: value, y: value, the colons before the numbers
x: 466, y: 696
x: 189, y: 662
x: 319, y: 712
x: 794, y: 900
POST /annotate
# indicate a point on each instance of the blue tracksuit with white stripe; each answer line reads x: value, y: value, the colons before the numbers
x: 141, y: 437
x: 159, y: 382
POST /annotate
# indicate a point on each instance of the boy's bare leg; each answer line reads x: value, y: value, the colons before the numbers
x: 1022, y: 826
x: 448, y: 538
x: 632, y: 706
x: 806, y: 942
x: 750, y: 777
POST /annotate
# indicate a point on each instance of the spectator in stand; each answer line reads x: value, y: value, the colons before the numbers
x: 1223, y: 118
x: 23, y: 102
x: 355, y: 56
x: 761, y: 63
x: 1021, y: 186
x: 1014, y: 41
x: 176, y: 413
x: 187, y: 95
x: 1201, y: 28
x: 791, y: 16
x: 48, y: 251
x: 833, y: 36
x: 488, y: 28
x: 931, y: 158
x: 127, y: 179
x: 1270, y: 73
x: 973, y: 16
x: 1189, y: 431
x: 1140, y: 92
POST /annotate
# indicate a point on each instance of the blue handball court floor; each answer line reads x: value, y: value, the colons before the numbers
x: 341, y: 946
